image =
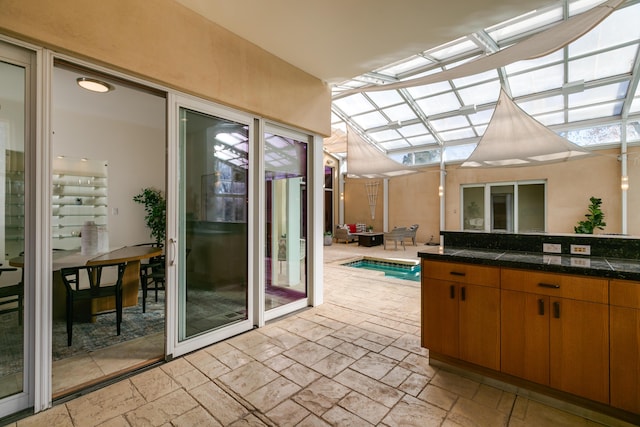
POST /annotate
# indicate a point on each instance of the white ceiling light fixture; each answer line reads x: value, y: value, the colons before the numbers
x: 94, y: 85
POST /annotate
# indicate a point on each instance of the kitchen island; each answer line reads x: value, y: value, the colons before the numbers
x: 559, y: 324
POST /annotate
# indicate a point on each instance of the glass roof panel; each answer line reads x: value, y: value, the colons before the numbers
x: 439, y: 104
x: 598, y: 94
x: 370, y: 120
x: 394, y: 145
x: 457, y: 134
x: 537, y: 81
x: 481, y: 117
x: 385, y: 98
x: 524, y: 23
x: 453, y: 49
x: 580, y: 6
x: 354, y: 104
x: 413, y: 130
x: 620, y: 27
x: 449, y: 123
x: 633, y: 131
x: 422, y: 140
x: 481, y: 94
x: 552, y: 58
x: 551, y: 118
x: 458, y: 152
x: 635, y: 105
x: 595, y: 111
x: 412, y: 63
x: 385, y: 135
x: 432, y: 89
x: 610, y: 63
x: 476, y: 78
x: 400, y: 113
x: 542, y: 105
x: 480, y: 130
x: 596, y: 135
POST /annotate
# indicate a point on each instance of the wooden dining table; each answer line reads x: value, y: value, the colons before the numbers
x: 132, y: 255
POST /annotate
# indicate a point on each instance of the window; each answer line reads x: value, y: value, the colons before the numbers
x: 504, y: 207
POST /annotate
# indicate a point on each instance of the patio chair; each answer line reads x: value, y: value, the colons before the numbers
x: 411, y: 233
x: 397, y: 236
x: 345, y: 234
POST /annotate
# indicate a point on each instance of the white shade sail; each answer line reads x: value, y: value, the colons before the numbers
x: 366, y: 161
x: 513, y: 138
x: 536, y: 46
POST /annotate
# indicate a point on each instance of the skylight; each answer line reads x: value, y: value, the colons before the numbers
x: 454, y: 114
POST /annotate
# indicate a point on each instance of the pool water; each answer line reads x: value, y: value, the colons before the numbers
x: 391, y: 269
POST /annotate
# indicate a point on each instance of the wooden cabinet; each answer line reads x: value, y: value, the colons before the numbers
x: 625, y: 344
x: 461, y: 311
x: 555, y: 331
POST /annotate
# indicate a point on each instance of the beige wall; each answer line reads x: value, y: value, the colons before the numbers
x: 162, y: 41
x: 414, y: 198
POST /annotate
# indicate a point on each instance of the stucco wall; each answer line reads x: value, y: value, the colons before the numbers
x: 414, y: 198
x: 162, y: 41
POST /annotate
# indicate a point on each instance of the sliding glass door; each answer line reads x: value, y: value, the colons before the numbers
x: 212, y: 248
x: 285, y: 162
x: 16, y: 358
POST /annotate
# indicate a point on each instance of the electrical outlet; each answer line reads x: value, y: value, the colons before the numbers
x: 580, y: 249
x: 552, y: 248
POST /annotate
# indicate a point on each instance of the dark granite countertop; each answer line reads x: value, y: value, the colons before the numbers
x: 611, y: 268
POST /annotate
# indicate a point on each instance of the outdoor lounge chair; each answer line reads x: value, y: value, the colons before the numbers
x: 397, y: 236
x: 411, y: 233
x: 345, y: 234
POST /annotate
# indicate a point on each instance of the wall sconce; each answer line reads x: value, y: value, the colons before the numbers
x: 341, y: 196
x: 624, y: 183
x: 440, y: 191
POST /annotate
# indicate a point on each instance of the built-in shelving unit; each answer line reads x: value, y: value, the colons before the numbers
x: 79, y: 195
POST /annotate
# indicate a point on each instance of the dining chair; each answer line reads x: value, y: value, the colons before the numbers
x: 86, y: 283
x: 12, y: 296
x: 152, y: 277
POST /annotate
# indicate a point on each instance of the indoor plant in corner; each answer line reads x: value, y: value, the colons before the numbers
x: 155, y: 207
x: 595, y: 218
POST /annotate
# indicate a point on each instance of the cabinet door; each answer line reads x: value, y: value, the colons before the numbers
x: 579, y: 348
x: 625, y: 358
x: 479, y: 311
x: 440, y: 316
x: 525, y: 336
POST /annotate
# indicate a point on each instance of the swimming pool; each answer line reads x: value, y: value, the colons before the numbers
x: 398, y: 270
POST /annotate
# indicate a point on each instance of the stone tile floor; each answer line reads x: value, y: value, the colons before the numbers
x: 355, y: 360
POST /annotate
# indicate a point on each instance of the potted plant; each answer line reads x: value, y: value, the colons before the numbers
x: 328, y: 238
x: 370, y: 228
x: 155, y: 207
x: 595, y: 218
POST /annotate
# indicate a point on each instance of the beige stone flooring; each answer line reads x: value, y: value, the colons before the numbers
x: 355, y: 360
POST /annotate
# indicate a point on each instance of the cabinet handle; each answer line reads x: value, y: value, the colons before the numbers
x: 457, y: 273
x: 463, y: 293
x: 541, y: 307
x: 548, y: 285
x: 556, y: 310
x: 452, y: 292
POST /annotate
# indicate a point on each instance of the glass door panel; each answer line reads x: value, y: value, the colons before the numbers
x: 14, y: 297
x: 213, y: 274
x: 286, y: 216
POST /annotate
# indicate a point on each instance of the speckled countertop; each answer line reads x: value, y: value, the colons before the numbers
x: 612, y: 268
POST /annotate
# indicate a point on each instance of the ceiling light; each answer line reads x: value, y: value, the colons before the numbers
x: 94, y: 85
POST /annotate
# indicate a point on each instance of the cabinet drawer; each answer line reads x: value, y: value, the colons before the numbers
x: 558, y: 285
x: 461, y: 273
x: 624, y: 293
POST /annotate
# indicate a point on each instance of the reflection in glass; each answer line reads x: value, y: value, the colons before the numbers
x: 12, y: 183
x: 213, y: 278
x: 286, y: 216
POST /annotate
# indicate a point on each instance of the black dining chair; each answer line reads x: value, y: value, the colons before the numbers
x: 152, y: 277
x: 86, y: 283
x: 12, y: 297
